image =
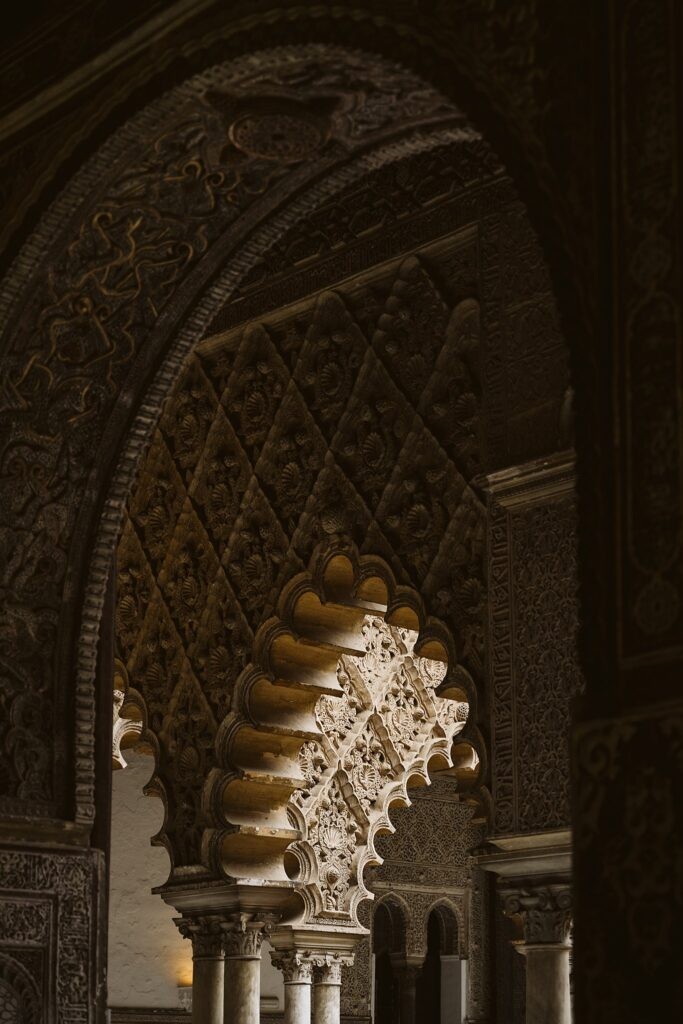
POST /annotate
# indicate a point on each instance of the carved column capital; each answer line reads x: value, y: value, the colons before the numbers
x: 243, y: 936
x: 297, y: 968
x: 327, y: 970
x: 206, y: 935
x: 544, y: 913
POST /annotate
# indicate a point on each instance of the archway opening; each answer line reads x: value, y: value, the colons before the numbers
x: 389, y: 370
x: 388, y: 946
x: 441, y: 984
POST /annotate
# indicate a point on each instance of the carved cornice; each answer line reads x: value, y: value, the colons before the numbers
x: 544, y: 912
x: 534, y: 482
x: 541, y: 854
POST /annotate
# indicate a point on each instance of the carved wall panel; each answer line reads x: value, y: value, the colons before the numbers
x: 278, y: 434
x: 387, y: 726
x: 426, y: 863
x: 49, y: 915
x: 533, y: 624
x: 160, y: 196
x: 647, y: 234
x: 628, y: 775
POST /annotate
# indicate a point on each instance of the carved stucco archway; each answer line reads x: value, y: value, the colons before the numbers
x: 140, y: 231
x: 353, y: 695
x: 98, y: 329
x: 116, y: 289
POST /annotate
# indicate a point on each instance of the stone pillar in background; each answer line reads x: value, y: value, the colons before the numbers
x: 297, y: 971
x: 479, y: 948
x: 406, y: 970
x: 327, y: 976
x: 242, y: 943
x: 207, y: 967
x: 544, y: 914
x: 451, y: 989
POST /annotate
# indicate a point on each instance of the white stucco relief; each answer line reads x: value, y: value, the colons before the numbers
x: 381, y: 736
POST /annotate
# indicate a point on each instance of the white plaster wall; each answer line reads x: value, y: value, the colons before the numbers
x: 148, y: 958
x: 272, y: 984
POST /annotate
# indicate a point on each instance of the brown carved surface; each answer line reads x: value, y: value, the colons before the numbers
x: 535, y: 670
x: 48, y: 947
x: 648, y: 235
x: 535, y: 76
x: 628, y: 836
x: 296, y: 429
x: 161, y: 192
x: 127, y: 258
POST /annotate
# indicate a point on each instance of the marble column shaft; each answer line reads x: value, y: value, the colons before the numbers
x: 327, y: 978
x: 544, y: 913
x: 207, y: 968
x: 407, y: 970
x: 242, y: 942
x: 297, y: 970
x: 547, y: 984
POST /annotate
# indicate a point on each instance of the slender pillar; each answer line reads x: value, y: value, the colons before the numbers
x: 547, y: 984
x: 406, y: 970
x: 451, y: 989
x: 207, y: 967
x: 297, y: 970
x: 544, y: 913
x: 242, y: 943
x: 478, y: 973
x: 327, y: 979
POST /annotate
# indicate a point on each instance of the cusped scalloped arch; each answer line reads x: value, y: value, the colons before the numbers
x: 354, y: 695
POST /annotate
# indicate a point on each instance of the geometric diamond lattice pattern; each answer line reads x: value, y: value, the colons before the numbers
x: 293, y: 430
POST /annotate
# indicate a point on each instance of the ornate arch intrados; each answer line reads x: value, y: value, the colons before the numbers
x: 392, y: 938
x: 114, y: 273
x: 451, y: 927
x: 352, y: 673
x: 107, y: 388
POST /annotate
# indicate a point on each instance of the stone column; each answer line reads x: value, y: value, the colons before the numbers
x: 451, y: 988
x: 297, y: 970
x: 207, y: 967
x: 407, y: 969
x: 327, y: 978
x: 242, y: 943
x: 544, y: 914
x: 479, y: 948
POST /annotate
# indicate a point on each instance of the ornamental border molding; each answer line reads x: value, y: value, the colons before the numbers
x: 538, y: 481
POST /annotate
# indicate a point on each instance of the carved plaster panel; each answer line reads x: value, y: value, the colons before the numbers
x: 398, y: 724
x: 533, y: 618
x: 291, y: 432
x: 48, y: 919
